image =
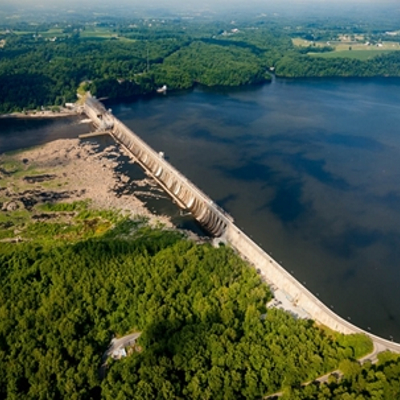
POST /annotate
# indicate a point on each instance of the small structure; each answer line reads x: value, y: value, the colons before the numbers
x: 162, y: 89
x: 119, y: 353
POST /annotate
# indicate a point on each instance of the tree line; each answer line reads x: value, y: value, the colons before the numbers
x: 35, y: 71
x: 380, y: 381
x: 206, y: 332
x: 303, y: 66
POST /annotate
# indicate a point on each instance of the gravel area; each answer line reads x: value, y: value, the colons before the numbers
x: 79, y: 171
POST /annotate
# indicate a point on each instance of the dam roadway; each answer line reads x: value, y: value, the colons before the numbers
x: 299, y: 299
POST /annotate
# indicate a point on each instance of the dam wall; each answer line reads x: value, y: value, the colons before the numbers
x: 220, y: 224
x: 186, y: 195
x: 297, y: 294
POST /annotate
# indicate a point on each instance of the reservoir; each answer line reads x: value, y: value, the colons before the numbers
x: 310, y: 169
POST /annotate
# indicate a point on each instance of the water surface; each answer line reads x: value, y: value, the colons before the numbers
x: 309, y: 169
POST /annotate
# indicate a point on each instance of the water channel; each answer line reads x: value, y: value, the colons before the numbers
x: 310, y: 169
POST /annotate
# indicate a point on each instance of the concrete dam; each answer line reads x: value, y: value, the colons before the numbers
x: 186, y: 195
x: 220, y: 224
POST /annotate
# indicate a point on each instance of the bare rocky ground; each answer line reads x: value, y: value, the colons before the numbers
x: 68, y: 170
x: 63, y: 112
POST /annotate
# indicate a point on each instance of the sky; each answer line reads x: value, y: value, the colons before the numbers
x: 193, y: 3
x: 283, y: 7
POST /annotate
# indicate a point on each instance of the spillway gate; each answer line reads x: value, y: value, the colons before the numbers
x: 187, y: 196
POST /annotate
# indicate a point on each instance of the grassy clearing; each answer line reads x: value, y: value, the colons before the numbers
x: 13, y: 222
x: 11, y: 166
x: 349, y: 49
x: 361, y: 46
x: 64, y: 207
x: 21, y: 33
x: 125, y: 39
x: 306, y: 43
x: 55, y: 31
x: 355, y: 54
x: 96, y: 33
x: 57, y: 223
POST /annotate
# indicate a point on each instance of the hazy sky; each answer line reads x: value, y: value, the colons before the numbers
x: 289, y: 7
x: 186, y: 3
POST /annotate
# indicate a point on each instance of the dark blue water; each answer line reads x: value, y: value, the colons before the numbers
x: 22, y: 133
x: 309, y: 169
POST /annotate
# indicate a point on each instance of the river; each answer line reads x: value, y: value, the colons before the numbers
x: 308, y: 168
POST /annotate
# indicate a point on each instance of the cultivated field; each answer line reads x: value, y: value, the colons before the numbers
x: 349, y: 49
x: 356, y: 54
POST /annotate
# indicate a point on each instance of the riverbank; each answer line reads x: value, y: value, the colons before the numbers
x: 69, y: 170
x: 63, y: 112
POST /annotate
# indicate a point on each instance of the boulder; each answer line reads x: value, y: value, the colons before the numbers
x: 10, y: 206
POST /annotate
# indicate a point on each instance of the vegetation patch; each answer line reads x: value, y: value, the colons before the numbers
x: 199, y: 310
x: 354, y: 54
x: 369, y: 381
x: 44, y: 65
x: 74, y: 276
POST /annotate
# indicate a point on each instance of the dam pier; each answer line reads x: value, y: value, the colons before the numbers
x: 220, y: 224
x: 185, y: 193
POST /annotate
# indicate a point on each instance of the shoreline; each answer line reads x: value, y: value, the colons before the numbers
x: 68, y: 112
x: 75, y: 171
x: 64, y: 112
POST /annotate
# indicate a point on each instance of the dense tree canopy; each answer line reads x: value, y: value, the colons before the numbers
x: 206, y: 332
x: 46, y: 65
x: 379, y: 381
x: 306, y: 66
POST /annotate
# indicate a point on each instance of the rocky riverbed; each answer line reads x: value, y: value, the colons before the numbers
x: 69, y: 170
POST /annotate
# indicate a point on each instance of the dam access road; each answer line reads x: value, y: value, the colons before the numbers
x: 292, y: 294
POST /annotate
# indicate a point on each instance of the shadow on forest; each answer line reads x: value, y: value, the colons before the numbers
x: 16, y: 88
x: 233, y: 43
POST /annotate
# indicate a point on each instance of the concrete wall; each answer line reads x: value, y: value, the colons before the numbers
x: 279, y: 277
x: 186, y: 195
x: 300, y: 296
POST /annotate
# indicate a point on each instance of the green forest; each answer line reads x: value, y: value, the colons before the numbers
x: 380, y: 381
x: 44, y: 65
x: 77, y: 277
x: 205, y: 330
x: 73, y: 277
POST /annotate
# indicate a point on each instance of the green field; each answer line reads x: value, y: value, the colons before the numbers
x: 342, y: 48
x: 305, y: 43
x: 355, y: 54
x: 88, y: 33
x: 97, y: 32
